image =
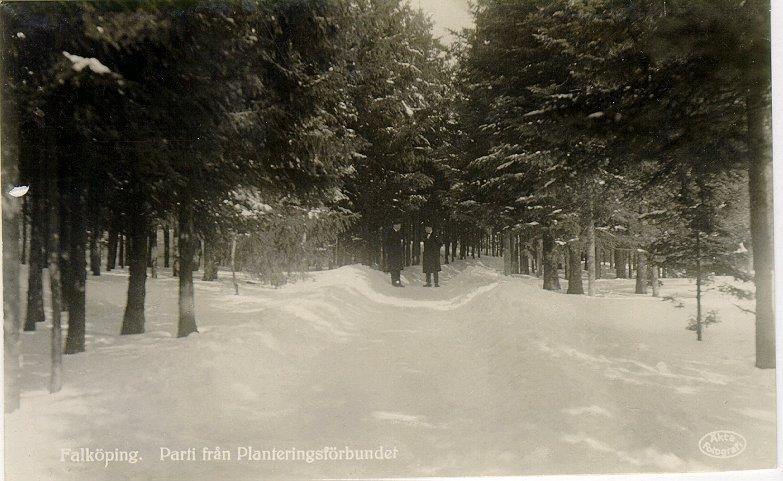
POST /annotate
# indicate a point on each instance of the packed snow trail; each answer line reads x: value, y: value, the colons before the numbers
x: 487, y: 375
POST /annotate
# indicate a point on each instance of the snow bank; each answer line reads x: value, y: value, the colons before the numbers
x: 487, y: 375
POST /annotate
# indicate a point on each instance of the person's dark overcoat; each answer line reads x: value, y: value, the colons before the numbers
x: 394, y: 250
x: 431, y: 257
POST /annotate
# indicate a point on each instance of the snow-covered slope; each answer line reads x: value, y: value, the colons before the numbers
x: 485, y: 375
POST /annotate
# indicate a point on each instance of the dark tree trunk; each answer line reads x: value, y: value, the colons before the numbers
x: 95, y: 251
x: 551, y: 278
x: 641, y: 273
x: 575, y: 270
x: 698, y: 287
x: 598, y: 260
x: 416, y: 251
x: 66, y: 267
x: 760, y: 181
x: 619, y: 264
x: 591, y: 259
x: 175, y: 253
x: 234, y: 263
x: 654, y: 280
x: 124, y: 249
x: 198, y: 249
x: 150, y: 248
x: 35, y: 306
x: 56, y: 341
x: 525, y: 260
x: 153, y: 252
x: 507, y: 260
x: 187, y: 246
x: 137, y: 235
x: 540, y: 258
x: 111, y: 250
x: 166, y: 247
x: 210, y: 259
x: 407, y: 231
x: 23, y: 223
x: 74, y: 342
x: 12, y: 324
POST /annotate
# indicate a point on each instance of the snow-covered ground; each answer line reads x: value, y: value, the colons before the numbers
x: 487, y: 375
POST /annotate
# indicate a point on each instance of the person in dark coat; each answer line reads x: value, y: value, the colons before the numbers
x: 431, y: 258
x: 394, y: 253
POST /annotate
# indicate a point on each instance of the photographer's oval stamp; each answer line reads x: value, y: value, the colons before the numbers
x: 722, y: 444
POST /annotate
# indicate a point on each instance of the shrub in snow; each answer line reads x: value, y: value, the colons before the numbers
x: 710, y: 318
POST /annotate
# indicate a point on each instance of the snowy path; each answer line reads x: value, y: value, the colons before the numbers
x: 486, y: 375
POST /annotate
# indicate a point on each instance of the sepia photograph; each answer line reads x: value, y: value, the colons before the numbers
x: 375, y: 239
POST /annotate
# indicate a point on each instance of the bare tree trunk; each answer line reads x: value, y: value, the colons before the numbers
x: 159, y: 247
x: 641, y: 273
x: 150, y: 243
x: 137, y: 235
x: 121, y: 248
x: 619, y: 264
x: 65, y: 206
x: 35, y: 307
x: 551, y: 277
x: 166, y: 247
x: 407, y: 232
x: 598, y: 258
x: 540, y: 258
x: 200, y: 248
x: 698, y: 286
x: 187, y: 247
x: 127, y: 249
x: 12, y: 324
x: 575, y: 269
x: 23, y: 223
x: 153, y: 252
x: 416, y: 251
x: 233, y: 263
x: 175, y: 253
x: 74, y: 342
x: 95, y: 250
x: 56, y: 375
x: 513, y: 250
x: 591, y: 257
x: 761, y: 221
x: 654, y: 280
x: 507, y: 253
x: 111, y: 250
x: 210, y: 259
x: 453, y: 247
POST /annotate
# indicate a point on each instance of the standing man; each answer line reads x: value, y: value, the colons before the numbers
x: 394, y: 253
x: 431, y: 257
